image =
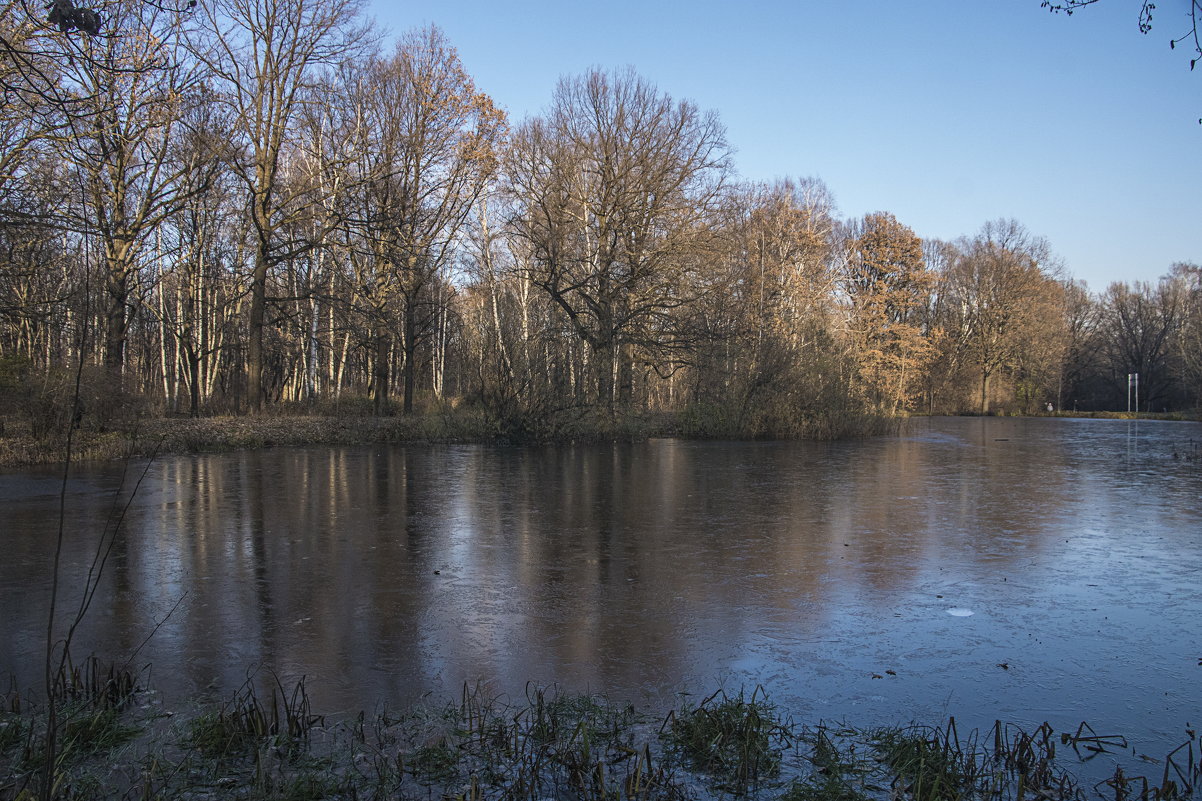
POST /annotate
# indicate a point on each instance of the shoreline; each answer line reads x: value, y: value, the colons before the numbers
x: 117, y: 740
x: 171, y: 436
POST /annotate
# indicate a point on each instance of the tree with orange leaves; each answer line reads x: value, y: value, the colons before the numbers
x: 886, y: 283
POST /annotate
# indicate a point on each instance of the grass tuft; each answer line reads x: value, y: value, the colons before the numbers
x: 739, y: 741
x: 927, y: 764
x: 246, y: 721
x: 838, y: 772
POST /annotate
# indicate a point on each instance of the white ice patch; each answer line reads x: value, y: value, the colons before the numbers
x: 958, y: 612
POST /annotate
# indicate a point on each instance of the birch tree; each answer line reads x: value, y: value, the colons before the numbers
x: 135, y: 89
x: 427, y: 151
x: 616, y: 187
x: 773, y: 315
x: 266, y: 56
x: 200, y: 297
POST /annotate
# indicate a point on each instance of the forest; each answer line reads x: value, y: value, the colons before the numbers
x: 251, y: 208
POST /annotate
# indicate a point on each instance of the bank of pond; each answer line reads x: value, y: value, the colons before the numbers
x: 22, y: 445
x: 116, y: 739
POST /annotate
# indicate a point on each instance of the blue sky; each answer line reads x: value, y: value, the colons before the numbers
x: 946, y: 113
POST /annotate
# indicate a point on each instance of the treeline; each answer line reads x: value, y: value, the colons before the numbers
x: 253, y: 206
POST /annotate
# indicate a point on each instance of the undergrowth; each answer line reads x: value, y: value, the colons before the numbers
x: 265, y: 744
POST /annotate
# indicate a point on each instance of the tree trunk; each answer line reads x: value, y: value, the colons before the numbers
x: 381, y: 370
x: 604, y: 354
x: 408, y: 371
x: 117, y: 289
x: 311, y: 366
x: 168, y: 394
x: 258, y: 314
x: 625, y: 375
x: 194, y: 370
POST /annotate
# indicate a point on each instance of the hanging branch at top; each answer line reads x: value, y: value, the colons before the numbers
x: 1145, y: 21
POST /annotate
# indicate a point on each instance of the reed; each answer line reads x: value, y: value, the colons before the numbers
x: 266, y: 744
x: 928, y: 764
x: 737, y: 740
x: 285, y: 718
x: 838, y: 772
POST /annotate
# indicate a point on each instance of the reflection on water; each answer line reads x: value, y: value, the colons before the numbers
x: 384, y: 573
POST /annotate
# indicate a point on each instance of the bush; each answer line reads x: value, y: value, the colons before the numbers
x: 50, y: 404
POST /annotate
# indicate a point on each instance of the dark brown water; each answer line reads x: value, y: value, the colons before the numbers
x: 641, y: 571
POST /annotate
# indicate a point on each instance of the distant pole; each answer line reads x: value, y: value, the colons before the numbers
x: 1137, y: 393
x: 1128, y: 392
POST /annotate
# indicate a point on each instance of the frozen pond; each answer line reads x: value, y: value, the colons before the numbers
x: 1023, y: 569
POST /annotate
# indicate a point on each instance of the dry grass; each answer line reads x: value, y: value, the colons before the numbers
x: 265, y: 743
x: 163, y: 436
x: 216, y: 434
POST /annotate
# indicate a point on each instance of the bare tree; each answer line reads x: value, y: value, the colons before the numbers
x: 999, y: 293
x: 426, y: 151
x: 1139, y: 330
x: 1189, y: 345
x: 34, y: 282
x: 1081, y: 355
x: 774, y: 316
x: 34, y: 50
x: 135, y: 90
x: 199, y: 295
x: 31, y: 195
x: 41, y: 42
x: 785, y: 245
x: 615, y: 186
x: 267, y: 56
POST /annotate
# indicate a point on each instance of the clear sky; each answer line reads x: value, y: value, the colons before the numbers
x: 946, y: 113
